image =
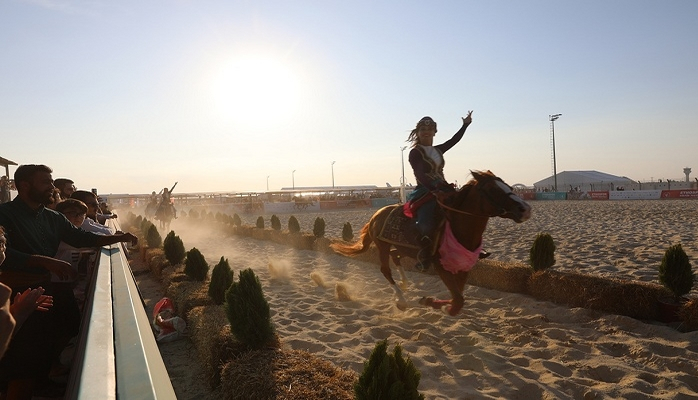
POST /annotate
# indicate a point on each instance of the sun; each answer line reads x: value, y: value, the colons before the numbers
x: 256, y: 90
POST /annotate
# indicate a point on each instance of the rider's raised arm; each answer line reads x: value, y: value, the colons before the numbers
x: 445, y: 146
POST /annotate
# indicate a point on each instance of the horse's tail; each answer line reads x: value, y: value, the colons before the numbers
x: 358, y: 247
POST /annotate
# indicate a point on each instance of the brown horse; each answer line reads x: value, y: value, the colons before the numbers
x: 467, y: 213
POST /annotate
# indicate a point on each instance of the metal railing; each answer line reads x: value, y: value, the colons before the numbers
x: 116, y: 355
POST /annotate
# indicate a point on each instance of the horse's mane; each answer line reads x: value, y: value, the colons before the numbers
x: 477, y: 175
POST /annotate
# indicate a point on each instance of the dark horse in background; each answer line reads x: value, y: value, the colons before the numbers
x: 467, y: 212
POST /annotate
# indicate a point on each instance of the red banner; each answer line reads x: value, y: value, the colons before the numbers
x: 680, y: 194
x: 598, y: 195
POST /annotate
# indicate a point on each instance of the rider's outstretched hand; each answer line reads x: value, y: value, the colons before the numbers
x: 469, y: 118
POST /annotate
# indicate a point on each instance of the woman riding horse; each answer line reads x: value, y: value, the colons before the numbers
x: 466, y: 217
x: 427, y: 162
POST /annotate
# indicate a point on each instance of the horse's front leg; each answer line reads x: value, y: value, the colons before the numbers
x: 455, y: 284
x: 384, y: 256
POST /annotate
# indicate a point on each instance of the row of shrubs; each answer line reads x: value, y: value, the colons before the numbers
x: 385, y: 375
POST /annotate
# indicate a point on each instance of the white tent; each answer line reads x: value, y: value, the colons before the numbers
x: 583, y: 180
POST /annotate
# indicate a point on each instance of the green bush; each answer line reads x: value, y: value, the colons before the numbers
x: 542, y: 254
x: 275, y: 223
x: 196, y: 266
x: 319, y: 227
x: 219, y: 216
x: 388, y: 376
x: 193, y: 214
x: 221, y: 279
x: 145, y: 225
x: 293, y: 225
x: 153, y: 237
x: 347, y: 232
x: 174, y: 248
x: 248, y: 311
x: 236, y: 220
x: 675, y: 271
x: 260, y: 222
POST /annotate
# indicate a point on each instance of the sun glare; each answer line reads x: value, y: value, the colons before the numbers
x: 256, y: 90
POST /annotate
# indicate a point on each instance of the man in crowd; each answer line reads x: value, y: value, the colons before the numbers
x: 33, y: 234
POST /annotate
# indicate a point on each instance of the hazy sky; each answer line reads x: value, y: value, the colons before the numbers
x: 131, y: 96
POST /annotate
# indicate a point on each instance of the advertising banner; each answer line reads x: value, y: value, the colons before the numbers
x: 598, y: 195
x: 680, y: 194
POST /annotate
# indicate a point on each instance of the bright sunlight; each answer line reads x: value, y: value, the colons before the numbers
x: 256, y: 90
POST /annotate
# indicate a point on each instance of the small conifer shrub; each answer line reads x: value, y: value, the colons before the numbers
x: 293, y: 225
x: 221, y: 279
x: 196, y: 266
x: 193, y: 214
x: 260, y: 222
x: 542, y: 254
x: 236, y: 220
x: 275, y: 223
x: 347, y: 232
x: 219, y: 216
x: 388, y: 376
x: 248, y: 311
x: 137, y: 222
x: 145, y: 225
x: 675, y: 272
x: 174, y: 248
x: 153, y: 237
x: 319, y: 227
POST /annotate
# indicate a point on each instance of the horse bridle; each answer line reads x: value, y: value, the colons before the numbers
x: 486, y: 195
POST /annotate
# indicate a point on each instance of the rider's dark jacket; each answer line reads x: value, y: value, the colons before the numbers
x: 429, y: 174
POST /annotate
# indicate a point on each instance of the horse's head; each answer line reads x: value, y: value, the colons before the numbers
x: 498, y: 199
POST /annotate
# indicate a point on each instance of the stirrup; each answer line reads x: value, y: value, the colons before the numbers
x: 484, y: 254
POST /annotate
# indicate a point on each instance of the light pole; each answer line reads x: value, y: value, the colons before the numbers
x: 293, y: 179
x: 554, y: 118
x: 402, y: 182
x: 332, y: 165
x: 268, y: 182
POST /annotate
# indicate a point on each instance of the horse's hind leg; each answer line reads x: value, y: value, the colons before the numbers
x: 395, y: 256
x: 384, y: 257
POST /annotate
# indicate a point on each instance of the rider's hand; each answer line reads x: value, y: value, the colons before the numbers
x: 469, y: 118
x: 128, y: 237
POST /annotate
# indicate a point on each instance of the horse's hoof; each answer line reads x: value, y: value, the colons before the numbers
x: 401, y: 306
x: 403, y: 285
x: 426, y: 301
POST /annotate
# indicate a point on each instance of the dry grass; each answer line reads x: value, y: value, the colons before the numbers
x: 689, y: 315
x: 285, y: 374
x: 210, y: 332
x: 615, y: 296
x: 512, y: 278
x: 188, y: 294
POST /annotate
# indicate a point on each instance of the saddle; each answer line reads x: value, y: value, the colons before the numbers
x: 401, y: 230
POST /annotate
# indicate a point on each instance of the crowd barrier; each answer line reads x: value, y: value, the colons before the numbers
x: 116, y: 355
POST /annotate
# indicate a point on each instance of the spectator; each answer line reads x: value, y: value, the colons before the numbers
x: 90, y: 223
x: 4, y: 189
x: 65, y: 186
x: 33, y: 236
x: 12, y: 316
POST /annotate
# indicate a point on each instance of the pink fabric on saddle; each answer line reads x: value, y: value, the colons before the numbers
x: 407, y: 209
x: 454, y: 257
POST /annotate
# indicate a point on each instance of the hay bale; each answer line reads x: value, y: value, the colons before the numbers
x: 215, y: 345
x: 156, y: 260
x: 615, y: 296
x: 285, y: 374
x: 500, y: 276
x: 187, y: 295
x: 689, y: 315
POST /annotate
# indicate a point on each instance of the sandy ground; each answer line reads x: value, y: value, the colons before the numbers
x: 502, y: 345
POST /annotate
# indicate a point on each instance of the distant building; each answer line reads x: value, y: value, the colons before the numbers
x: 584, y: 181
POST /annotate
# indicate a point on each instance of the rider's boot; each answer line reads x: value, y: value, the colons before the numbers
x: 484, y: 254
x: 424, y: 257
